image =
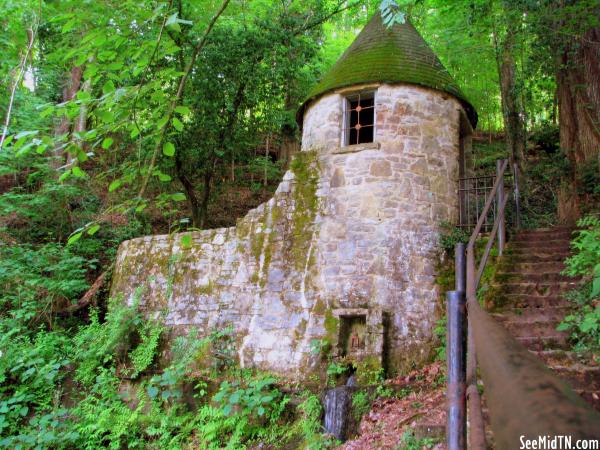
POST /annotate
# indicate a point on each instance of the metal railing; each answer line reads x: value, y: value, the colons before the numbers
x: 473, y: 193
x: 525, y: 399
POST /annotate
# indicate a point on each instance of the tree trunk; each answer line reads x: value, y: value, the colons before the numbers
x: 578, y: 93
x: 190, y: 192
x: 64, y: 126
x: 203, y: 213
x: 512, y: 107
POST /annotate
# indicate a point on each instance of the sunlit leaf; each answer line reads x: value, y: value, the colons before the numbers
x: 93, y: 229
x: 177, y: 124
x: 78, y: 172
x: 106, y: 143
x: 114, y: 185
x: 186, y: 241
x: 169, y: 149
x: 74, y: 238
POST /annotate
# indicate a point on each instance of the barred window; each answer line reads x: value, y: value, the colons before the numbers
x: 359, y: 118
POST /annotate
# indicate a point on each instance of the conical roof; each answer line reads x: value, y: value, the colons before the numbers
x: 397, y: 54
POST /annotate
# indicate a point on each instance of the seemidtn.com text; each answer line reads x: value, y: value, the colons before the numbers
x: 558, y: 442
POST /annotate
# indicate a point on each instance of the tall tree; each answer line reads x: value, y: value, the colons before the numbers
x: 571, y: 31
x: 505, y: 34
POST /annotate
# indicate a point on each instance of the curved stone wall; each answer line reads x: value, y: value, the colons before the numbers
x: 351, y: 231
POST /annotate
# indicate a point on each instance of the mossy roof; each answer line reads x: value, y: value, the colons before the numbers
x: 397, y: 54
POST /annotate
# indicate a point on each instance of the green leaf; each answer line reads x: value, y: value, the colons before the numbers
x: 183, y: 110
x: 178, y: 197
x: 78, y: 172
x: 177, y: 124
x: 108, y: 87
x: 46, y: 112
x: 589, y: 323
x: 82, y: 156
x: 162, y: 122
x: 93, y: 229
x: 74, y: 238
x: 163, y: 176
x: 68, y: 26
x: 169, y: 149
x: 152, y: 391
x: 83, y: 95
x: 135, y: 132
x: 65, y: 175
x: 104, y: 115
x: 186, y: 241
x: 114, y: 185
x: 106, y: 143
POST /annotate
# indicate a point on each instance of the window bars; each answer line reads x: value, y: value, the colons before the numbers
x: 359, y: 118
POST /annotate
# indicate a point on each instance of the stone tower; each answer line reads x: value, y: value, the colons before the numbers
x: 341, y: 262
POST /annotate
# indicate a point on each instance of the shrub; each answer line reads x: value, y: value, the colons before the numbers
x: 584, y: 322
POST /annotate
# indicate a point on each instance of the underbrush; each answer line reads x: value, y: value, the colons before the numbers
x: 584, y: 323
x: 98, y: 386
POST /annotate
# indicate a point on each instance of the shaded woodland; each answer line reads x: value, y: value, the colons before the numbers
x: 128, y: 118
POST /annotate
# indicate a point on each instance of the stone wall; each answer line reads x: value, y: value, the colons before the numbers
x: 350, y: 231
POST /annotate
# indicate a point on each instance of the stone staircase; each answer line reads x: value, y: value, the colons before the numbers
x: 531, y: 291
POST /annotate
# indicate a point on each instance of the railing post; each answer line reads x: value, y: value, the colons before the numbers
x: 476, y: 424
x: 499, y: 198
x: 517, y: 196
x: 456, y: 434
x: 460, y: 265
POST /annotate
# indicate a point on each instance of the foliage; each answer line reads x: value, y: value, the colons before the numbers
x: 452, y: 235
x: 584, y: 322
x: 410, y: 442
x: 308, y: 428
x: 440, y: 333
x: 361, y: 403
x: 109, y: 139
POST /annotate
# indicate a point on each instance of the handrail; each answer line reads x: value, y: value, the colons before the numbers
x: 525, y: 399
x: 477, y: 432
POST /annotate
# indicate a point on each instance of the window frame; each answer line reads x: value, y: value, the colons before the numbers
x: 346, y: 99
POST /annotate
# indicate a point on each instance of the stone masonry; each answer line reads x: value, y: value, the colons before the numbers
x: 350, y: 232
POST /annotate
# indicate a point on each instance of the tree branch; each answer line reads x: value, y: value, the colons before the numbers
x: 179, y: 94
x: 31, y: 32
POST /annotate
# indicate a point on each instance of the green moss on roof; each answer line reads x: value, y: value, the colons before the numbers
x: 389, y: 55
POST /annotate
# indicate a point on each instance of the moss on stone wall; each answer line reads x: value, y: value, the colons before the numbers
x: 306, y: 171
x: 331, y: 326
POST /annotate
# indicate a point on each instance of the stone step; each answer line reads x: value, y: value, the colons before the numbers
x: 534, y: 301
x: 542, y: 244
x: 529, y: 315
x: 539, y: 328
x: 542, y: 289
x: 537, y: 343
x: 533, y: 277
x: 565, y: 232
x: 538, y: 267
x: 579, y: 376
x: 558, y: 357
x: 527, y: 256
